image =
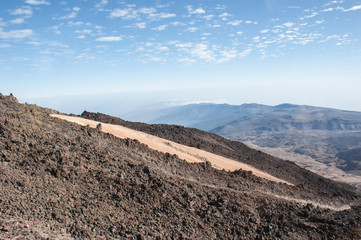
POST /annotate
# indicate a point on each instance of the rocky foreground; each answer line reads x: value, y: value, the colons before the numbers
x: 59, y: 180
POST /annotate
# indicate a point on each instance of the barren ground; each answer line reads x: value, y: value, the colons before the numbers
x: 61, y: 180
x: 189, y: 154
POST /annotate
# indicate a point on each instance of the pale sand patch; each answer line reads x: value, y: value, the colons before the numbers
x: 189, y: 154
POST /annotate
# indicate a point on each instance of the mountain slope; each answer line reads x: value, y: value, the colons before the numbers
x: 232, y: 149
x: 330, y: 138
x: 189, y: 154
x: 62, y: 180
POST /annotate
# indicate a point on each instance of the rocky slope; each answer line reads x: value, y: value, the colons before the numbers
x: 59, y: 180
x: 233, y: 149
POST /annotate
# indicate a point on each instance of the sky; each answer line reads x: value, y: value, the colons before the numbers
x: 239, y: 51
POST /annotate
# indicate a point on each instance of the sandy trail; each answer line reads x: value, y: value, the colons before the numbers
x: 189, y: 154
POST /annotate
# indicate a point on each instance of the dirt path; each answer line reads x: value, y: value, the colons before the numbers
x: 189, y: 154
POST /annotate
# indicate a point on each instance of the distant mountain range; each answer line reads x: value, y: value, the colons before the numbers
x: 330, y: 137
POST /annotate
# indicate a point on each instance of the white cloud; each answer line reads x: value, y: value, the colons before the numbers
x: 71, y: 23
x: 208, y: 17
x: 235, y: 22
x: 5, y: 45
x: 187, y: 60
x: 119, y: 13
x: 192, y: 29
x: 239, y: 33
x: 224, y: 16
x: 256, y: 39
x: 85, y: 56
x: 34, y: 43
x: 59, y: 45
x: 201, y: 51
x: 227, y: 55
x: 55, y: 29
x: 354, y: 8
x: 146, y: 10
x: 17, y: 20
x: 19, y: 59
x: 161, y: 27
x: 71, y: 15
x: 148, y: 44
x: 245, y: 53
x: 184, y: 45
x: 126, y: 13
x: 162, y: 15
x: 109, y: 39
x: 2, y: 24
x: 37, y: 2
x: 330, y: 9
x: 162, y: 48
x: 140, y: 25
x: 333, y: 2
x: 195, y: 11
x: 199, y: 11
x: 149, y: 13
x: 264, y: 31
x: 22, y: 11
x: 314, y: 14
x: 100, y: 6
x: 220, y: 7
x: 16, y: 34
x: 288, y: 24
x: 85, y: 31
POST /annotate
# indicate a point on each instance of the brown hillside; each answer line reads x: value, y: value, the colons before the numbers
x: 192, y: 137
x: 60, y: 180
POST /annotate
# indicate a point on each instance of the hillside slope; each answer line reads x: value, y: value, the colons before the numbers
x: 60, y: 180
x: 232, y: 149
x: 330, y: 138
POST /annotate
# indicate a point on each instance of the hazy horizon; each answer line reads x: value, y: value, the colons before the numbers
x: 127, y: 104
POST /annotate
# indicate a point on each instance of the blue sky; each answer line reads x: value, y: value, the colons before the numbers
x: 263, y: 51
